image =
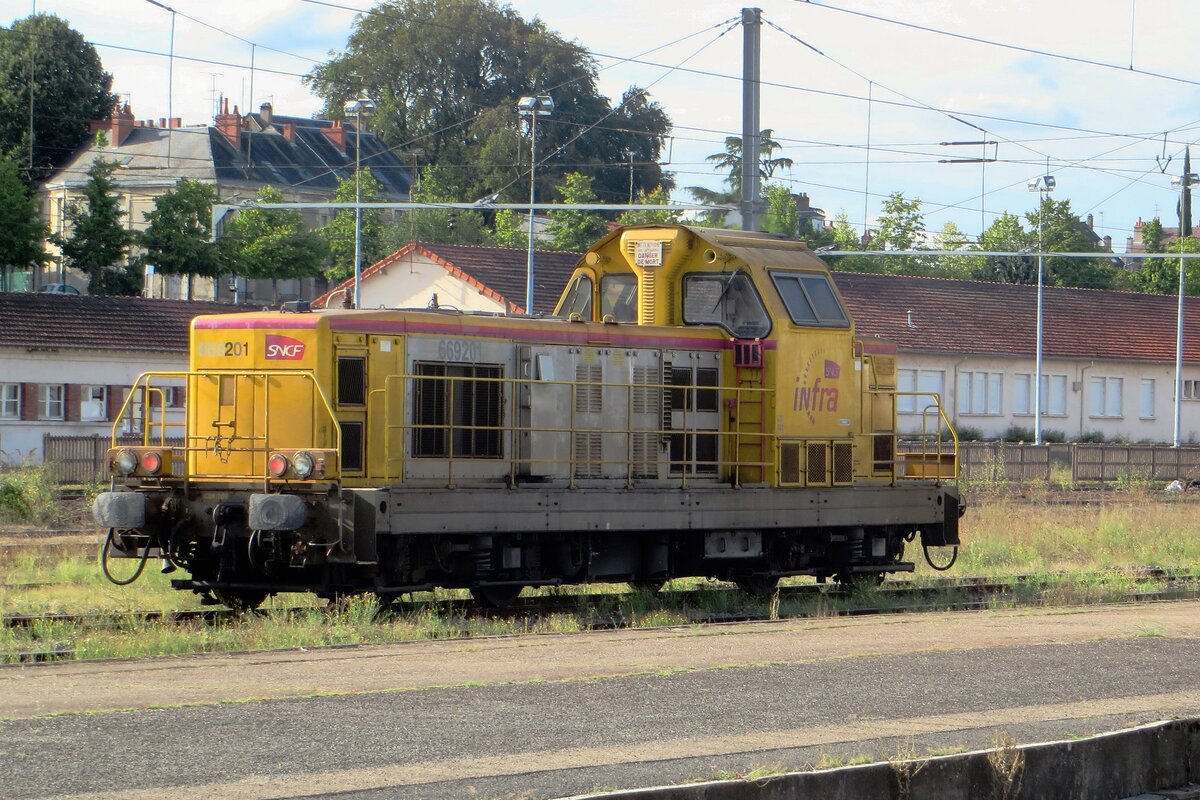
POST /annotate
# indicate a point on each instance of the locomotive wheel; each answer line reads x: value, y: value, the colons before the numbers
x: 240, y: 600
x: 758, y: 586
x: 496, y: 596
x: 651, y: 587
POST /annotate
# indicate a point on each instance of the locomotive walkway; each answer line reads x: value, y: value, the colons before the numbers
x: 546, y: 716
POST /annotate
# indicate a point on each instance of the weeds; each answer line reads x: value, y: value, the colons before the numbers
x: 27, y: 495
x: 1007, y: 761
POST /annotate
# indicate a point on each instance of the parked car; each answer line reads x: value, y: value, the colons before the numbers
x: 58, y: 288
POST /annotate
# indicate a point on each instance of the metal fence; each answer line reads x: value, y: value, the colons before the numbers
x: 80, y: 459
x: 1087, y: 463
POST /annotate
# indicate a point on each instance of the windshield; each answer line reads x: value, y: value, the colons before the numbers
x: 618, y: 298
x: 730, y: 301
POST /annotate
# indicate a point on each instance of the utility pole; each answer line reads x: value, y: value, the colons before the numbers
x: 751, y: 48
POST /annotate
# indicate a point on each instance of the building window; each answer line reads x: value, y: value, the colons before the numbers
x: 1191, y: 390
x: 10, y: 401
x: 924, y: 380
x: 1054, y: 394
x: 51, y: 401
x: 1146, y: 399
x: 1106, y: 397
x: 980, y: 393
x: 93, y: 403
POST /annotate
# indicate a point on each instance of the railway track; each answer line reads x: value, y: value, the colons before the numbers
x: 609, y: 611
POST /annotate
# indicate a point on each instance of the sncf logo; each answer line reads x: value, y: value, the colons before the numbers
x: 284, y: 348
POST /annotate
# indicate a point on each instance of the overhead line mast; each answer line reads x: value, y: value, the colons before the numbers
x: 751, y: 49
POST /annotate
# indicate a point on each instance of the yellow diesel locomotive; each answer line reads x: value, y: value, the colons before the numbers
x: 697, y: 406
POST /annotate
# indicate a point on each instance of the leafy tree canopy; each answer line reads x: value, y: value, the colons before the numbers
x: 97, y: 240
x: 1161, y: 275
x: 655, y: 197
x: 339, y: 233
x: 43, y: 55
x: 449, y: 226
x: 1062, y: 230
x: 178, y: 232
x: 576, y: 230
x: 273, y: 242
x: 446, y: 76
x: 21, y: 227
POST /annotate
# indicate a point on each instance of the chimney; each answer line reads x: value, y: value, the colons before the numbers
x: 1108, y: 243
x: 122, y: 125
x: 289, y: 131
x: 230, y: 125
x: 336, y: 134
x: 264, y: 111
x: 1089, y: 222
x: 176, y: 122
x: 162, y: 122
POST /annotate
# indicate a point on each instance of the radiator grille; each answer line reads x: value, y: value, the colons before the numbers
x: 843, y: 463
x: 644, y: 452
x: 646, y: 397
x: 351, y: 380
x: 587, y: 454
x: 883, y: 452
x: 818, y: 468
x: 352, y: 446
x: 789, y: 463
x: 588, y: 390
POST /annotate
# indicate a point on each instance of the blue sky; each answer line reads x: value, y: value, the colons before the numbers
x: 1113, y: 177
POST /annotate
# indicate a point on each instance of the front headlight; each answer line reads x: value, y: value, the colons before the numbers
x: 126, y: 462
x: 302, y: 465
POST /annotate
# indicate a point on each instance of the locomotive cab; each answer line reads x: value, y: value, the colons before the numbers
x: 699, y: 405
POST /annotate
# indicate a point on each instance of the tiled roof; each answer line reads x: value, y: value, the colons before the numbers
x: 497, y: 271
x: 86, y: 322
x: 974, y: 317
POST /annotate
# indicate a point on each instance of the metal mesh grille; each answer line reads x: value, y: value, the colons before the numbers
x: 588, y: 391
x: 789, y: 463
x: 352, y: 446
x: 451, y: 404
x: 843, y: 462
x: 883, y: 452
x: 351, y: 380
x: 818, y: 469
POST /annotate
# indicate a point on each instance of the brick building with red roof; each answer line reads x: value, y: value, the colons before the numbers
x: 69, y: 360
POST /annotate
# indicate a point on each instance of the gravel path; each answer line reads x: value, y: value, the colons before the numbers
x: 546, y: 716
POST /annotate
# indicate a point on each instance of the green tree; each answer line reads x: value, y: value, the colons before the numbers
x: 951, y: 238
x: 576, y: 230
x: 655, y: 197
x: 97, y: 240
x: 448, y: 73
x: 339, y: 233
x: 1152, y: 236
x: 177, y: 238
x: 506, y: 230
x: 1161, y: 275
x: 901, y: 227
x: 731, y: 159
x: 782, y: 215
x: 449, y: 226
x: 1062, y: 230
x: 273, y: 243
x: 22, y: 230
x: 1006, y: 234
x: 43, y: 56
x: 844, y: 235
x: 713, y: 219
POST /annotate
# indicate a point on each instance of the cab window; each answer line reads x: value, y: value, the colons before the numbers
x: 728, y: 300
x: 578, y: 299
x: 810, y: 300
x: 618, y: 297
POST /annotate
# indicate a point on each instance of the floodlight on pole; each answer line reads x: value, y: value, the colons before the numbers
x: 1183, y: 183
x: 532, y: 106
x: 359, y: 108
x: 1043, y: 185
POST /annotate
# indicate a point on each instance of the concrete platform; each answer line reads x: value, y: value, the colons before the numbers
x: 550, y: 716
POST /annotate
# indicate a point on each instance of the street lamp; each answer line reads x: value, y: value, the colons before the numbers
x: 1043, y: 185
x: 1183, y: 182
x: 532, y: 106
x: 360, y: 107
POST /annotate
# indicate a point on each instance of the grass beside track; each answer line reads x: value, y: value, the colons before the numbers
x: 1071, y: 550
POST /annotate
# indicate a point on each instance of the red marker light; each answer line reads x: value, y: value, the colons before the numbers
x: 277, y: 465
x: 151, y: 462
